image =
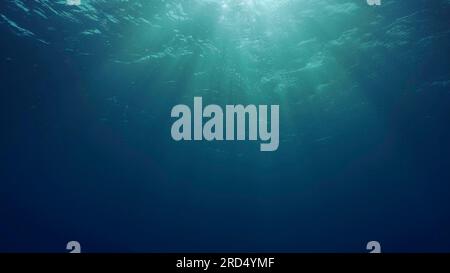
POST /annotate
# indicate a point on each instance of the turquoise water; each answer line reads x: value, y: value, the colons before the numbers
x: 87, y: 155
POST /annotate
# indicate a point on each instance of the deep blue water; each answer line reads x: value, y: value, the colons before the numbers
x: 85, y: 146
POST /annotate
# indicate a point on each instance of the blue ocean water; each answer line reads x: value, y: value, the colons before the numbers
x: 86, y: 152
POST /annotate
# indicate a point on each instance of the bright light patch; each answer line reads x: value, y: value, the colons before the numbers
x: 73, y: 2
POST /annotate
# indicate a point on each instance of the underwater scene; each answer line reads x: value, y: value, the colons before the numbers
x: 358, y: 149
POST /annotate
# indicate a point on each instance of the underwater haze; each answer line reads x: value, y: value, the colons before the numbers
x: 86, y: 152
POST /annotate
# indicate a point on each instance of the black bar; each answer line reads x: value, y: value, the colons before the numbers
x: 226, y: 262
